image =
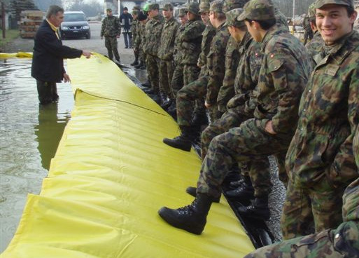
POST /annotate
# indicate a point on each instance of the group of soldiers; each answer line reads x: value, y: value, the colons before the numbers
x: 264, y: 94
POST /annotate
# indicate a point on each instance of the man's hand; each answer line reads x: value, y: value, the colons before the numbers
x: 269, y: 128
x: 66, y: 78
x: 207, y: 104
x: 86, y: 53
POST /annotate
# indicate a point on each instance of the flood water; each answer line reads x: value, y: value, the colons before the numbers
x: 29, y: 137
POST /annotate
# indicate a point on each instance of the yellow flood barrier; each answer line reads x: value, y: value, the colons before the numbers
x: 109, y: 177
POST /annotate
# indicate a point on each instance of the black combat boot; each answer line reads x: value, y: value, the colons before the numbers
x: 135, y: 62
x: 146, y: 84
x: 139, y: 65
x: 191, y: 218
x: 184, y: 141
x: 193, y: 191
x: 244, y: 191
x: 258, y: 209
x: 166, y: 104
x: 199, y: 118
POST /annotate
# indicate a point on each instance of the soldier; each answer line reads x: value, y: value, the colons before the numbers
x: 177, y: 77
x: 308, y: 33
x: 140, y: 41
x: 206, y: 86
x: 134, y: 29
x: 331, y: 243
x: 153, y: 36
x: 165, y: 53
x: 314, y: 46
x: 320, y: 158
x: 282, y: 77
x: 111, y: 30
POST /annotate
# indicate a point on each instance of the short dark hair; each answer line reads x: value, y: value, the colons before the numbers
x: 266, y: 24
x: 350, y: 10
x: 53, y: 10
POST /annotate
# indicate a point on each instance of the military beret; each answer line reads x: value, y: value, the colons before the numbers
x: 258, y: 10
x: 320, y: 3
x: 182, y: 12
x: 216, y: 6
x: 232, y: 4
x: 153, y: 7
x: 167, y: 7
x: 193, y: 8
x: 204, y: 7
x: 231, y: 18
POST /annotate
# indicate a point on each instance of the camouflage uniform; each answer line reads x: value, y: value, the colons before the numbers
x: 140, y: 42
x: 320, y: 159
x: 177, y: 77
x: 282, y: 77
x: 205, y: 85
x: 331, y: 243
x: 314, y: 47
x: 134, y: 29
x: 153, y: 30
x: 165, y: 53
x: 110, y: 29
x: 191, y: 44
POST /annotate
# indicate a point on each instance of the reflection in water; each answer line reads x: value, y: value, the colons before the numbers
x: 49, y: 132
x: 25, y: 155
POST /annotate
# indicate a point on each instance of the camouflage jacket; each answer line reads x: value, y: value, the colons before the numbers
x: 226, y: 91
x: 282, y: 78
x: 216, y: 63
x: 110, y: 27
x: 134, y: 30
x: 177, y: 51
x: 328, y: 116
x: 207, y: 37
x: 356, y: 146
x: 153, y: 30
x: 168, y: 35
x: 246, y: 80
x: 139, y: 35
x: 191, y: 41
x: 314, y: 47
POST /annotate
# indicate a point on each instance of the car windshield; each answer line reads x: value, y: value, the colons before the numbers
x: 74, y: 17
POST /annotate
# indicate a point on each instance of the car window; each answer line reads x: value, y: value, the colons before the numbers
x: 74, y: 17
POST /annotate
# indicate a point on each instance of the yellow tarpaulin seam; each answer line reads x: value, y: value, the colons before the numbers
x: 109, y: 177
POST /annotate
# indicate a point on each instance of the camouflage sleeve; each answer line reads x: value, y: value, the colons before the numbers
x: 103, y: 26
x: 226, y: 91
x: 344, y: 163
x: 216, y: 67
x: 356, y: 146
x: 193, y: 31
x: 282, y: 67
x: 118, y: 22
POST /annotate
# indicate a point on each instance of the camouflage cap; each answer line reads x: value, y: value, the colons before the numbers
x: 232, y: 4
x: 216, y: 6
x: 320, y: 3
x: 193, y: 8
x: 257, y: 10
x: 136, y: 7
x: 153, y: 7
x: 108, y: 10
x: 182, y: 12
x: 231, y: 18
x: 167, y: 7
x: 204, y: 7
x: 311, y: 10
x: 135, y: 12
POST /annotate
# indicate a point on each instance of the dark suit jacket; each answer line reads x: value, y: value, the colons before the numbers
x: 47, y: 61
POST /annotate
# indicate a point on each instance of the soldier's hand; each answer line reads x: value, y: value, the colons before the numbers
x: 86, y: 53
x: 207, y: 104
x: 66, y: 77
x: 269, y: 128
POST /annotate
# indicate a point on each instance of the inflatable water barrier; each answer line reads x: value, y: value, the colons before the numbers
x: 110, y: 175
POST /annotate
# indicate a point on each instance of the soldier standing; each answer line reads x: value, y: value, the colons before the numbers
x: 135, y: 36
x: 153, y: 32
x: 140, y: 41
x: 282, y: 78
x: 165, y: 53
x: 111, y: 30
x: 320, y: 158
x: 206, y: 86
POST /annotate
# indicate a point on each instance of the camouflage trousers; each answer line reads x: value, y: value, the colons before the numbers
x: 111, y: 45
x: 319, y: 205
x: 177, y: 79
x: 152, y: 66
x: 190, y: 100
x: 166, y: 74
x: 247, y: 143
x: 190, y: 73
x: 330, y: 243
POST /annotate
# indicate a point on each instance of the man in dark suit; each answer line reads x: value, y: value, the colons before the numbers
x: 47, y: 63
